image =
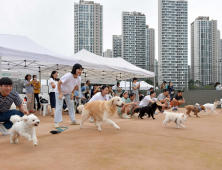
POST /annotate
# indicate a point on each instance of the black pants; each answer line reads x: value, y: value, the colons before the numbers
x: 37, y: 99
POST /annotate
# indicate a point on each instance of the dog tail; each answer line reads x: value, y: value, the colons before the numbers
x: 80, y: 108
x: 137, y: 110
x: 15, y: 119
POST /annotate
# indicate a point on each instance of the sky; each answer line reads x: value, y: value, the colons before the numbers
x: 50, y: 23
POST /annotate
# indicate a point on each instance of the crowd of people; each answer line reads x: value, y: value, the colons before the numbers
x: 63, y: 91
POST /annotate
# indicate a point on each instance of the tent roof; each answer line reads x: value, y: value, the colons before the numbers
x: 143, y: 85
x: 108, y: 68
x: 19, y: 53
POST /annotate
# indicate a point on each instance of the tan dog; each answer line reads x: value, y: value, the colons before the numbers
x: 194, y: 109
x: 101, y: 111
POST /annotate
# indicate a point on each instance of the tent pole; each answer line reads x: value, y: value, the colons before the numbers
x: 40, y: 78
x: 154, y: 83
x: 0, y: 66
x: 130, y: 85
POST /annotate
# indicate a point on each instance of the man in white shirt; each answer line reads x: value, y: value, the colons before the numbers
x: 146, y: 100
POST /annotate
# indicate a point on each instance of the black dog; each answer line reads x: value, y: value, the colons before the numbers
x: 150, y: 110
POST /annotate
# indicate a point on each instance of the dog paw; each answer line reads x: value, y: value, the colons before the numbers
x: 35, y: 144
x: 117, y: 127
x: 154, y: 118
x: 12, y: 142
x: 100, y: 130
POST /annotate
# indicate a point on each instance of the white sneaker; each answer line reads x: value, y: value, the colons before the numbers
x: 91, y: 120
x: 56, y: 125
x: 66, y: 110
x: 125, y: 116
x: 75, y: 123
x: 4, y: 130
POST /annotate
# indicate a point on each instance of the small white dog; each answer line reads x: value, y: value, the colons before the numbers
x: 24, y: 126
x: 178, y: 118
x: 211, y: 107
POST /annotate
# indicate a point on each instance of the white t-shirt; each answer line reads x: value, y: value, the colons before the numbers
x: 146, y: 101
x: 50, y: 85
x: 68, y: 83
x: 98, y: 96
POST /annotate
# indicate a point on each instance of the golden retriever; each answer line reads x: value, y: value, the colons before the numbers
x: 101, y: 111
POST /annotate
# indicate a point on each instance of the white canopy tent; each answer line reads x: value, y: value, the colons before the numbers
x: 19, y: 53
x: 143, y: 85
x: 97, y: 67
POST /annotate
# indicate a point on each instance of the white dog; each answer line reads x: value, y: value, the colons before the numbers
x: 211, y: 107
x: 24, y: 126
x: 178, y: 118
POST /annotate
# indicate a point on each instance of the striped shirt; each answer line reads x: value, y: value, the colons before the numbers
x: 12, y: 97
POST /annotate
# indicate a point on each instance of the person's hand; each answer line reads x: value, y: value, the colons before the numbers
x: 60, y: 96
x: 172, y: 92
x: 25, y: 112
x: 135, y: 103
x: 72, y: 97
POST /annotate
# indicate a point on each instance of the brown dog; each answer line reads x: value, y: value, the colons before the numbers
x: 194, y: 109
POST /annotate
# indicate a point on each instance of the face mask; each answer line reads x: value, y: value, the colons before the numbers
x: 35, y: 78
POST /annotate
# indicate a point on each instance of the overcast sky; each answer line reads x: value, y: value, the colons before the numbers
x: 50, y: 22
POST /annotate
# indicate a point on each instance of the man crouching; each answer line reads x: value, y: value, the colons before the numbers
x: 7, y: 97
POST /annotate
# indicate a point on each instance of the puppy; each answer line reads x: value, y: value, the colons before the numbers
x: 211, y: 107
x: 196, y: 109
x: 101, y: 111
x: 25, y: 127
x: 150, y: 110
x: 177, y: 118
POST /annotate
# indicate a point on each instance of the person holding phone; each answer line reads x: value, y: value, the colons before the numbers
x: 29, y: 93
x: 136, y: 89
x: 36, y: 86
x: 66, y: 87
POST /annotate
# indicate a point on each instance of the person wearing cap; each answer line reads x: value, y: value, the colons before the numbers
x: 177, y: 100
x: 163, y: 86
x: 217, y: 85
x: 148, y: 92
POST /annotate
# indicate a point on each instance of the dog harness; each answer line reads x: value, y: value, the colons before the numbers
x: 198, y: 108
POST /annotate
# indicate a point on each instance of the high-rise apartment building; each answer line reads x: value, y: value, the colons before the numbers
x: 117, y: 46
x: 108, y: 53
x: 156, y: 70
x: 88, y: 27
x: 134, y: 38
x: 173, y: 42
x: 219, y: 64
x: 205, y: 51
x: 220, y: 60
x: 150, y: 48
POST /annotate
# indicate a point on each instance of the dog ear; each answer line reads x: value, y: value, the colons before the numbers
x: 215, y: 100
x: 25, y: 118
x: 111, y: 102
x: 183, y: 115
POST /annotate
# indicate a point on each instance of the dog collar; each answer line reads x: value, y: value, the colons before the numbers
x: 199, y: 108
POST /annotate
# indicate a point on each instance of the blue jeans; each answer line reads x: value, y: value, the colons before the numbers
x: 59, y: 105
x: 5, y: 117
